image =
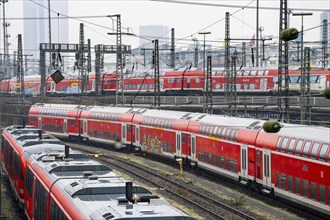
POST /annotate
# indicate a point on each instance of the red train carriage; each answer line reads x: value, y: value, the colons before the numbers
x: 18, y: 143
x: 65, y: 187
x: 234, y: 147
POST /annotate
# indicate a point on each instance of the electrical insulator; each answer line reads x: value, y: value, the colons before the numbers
x: 289, y: 34
x: 271, y: 126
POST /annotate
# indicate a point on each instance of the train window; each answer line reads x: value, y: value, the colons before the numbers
x: 315, y: 79
x: 290, y: 183
x: 278, y: 143
x: 41, y: 201
x: 203, y: 129
x: 283, y: 181
x: 233, y: 135
x: 260, y: 73
x: 224, y: 133
x: 313, y: 191
x: 298, y: 147
x: 323, y: 151
x: 314, y: 150
x: 183, y: 137
x: 284, y: 143
x: 246, y: 73
x: 198, y: 79
x: 251, y: 86
x: 294, y: 79
x: 28, y: 181
x: 329, y: 196
x: 253, y: 73
x: 297, y: 186
x: 258, y: 156
x: 228, y: 134
x: 322, y: 194
x: 211, y: 130
x: 128, y: 128
x: 217, y: 86
x: 219, y: 132
x: 305, y: 188
x: 207, y: 130
x: 55, y: 212
x: 306, y: 148
x: 291, y: 145
x: 215, y: 131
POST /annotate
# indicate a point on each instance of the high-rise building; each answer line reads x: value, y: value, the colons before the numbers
x: 152, y: 32
x: 36, y: 25
x: 325, y: 16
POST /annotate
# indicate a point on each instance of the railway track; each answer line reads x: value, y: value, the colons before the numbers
x: 208, y: 207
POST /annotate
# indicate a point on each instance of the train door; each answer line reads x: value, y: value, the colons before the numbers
x: 52, y: 87
x: 130, y: 137
x: 185, y: 144
x: 123, y: 133
x: 267, y: 170
x: 65, y: 126
x: 259, y: 164
x: 193, y: 147
x: 83, y: 128
x: 137, y: 136
x: 244, y: 161
x: 263, y: 85
x: 188, y: 82
x: 40, y: 123
x: 178, y: 144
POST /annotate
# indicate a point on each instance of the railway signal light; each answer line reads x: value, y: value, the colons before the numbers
x: 271, y: 126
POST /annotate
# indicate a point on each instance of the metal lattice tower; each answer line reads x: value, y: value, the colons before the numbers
x: 89, y: 56
x: 172, y: 49
x: 283, y: 62
x: 156, y: 77
x: 208, y: 92
x: 243, y: 54
x: 196, y: 52
x: 325, y: 54
x: 233, y: 92
x: 305, y: 107
x: 227, y: 61
x: 20, y: 78
x: 119, y: 64
x: 81, y: 65
x: 20, y: 71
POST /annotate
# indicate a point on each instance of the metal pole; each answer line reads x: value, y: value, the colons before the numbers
x: 257, y: 30
x: 204, y: 54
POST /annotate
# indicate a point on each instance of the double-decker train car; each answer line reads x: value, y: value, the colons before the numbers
x: 293, y: 163
x: 18, y: 143
x: 53, y: 182
x: 253, y: 81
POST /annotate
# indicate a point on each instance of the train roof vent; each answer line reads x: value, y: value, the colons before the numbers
x: 253, y: 125
x: 147, y: 212
x: 200, y: 117
x: 122, y: 200
x: 186, y: 116
x: 74, y: 184
x: 49, y: 159
x: 108, y: 216
x: 102, y: 213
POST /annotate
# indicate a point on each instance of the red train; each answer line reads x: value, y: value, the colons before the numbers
x: 293, y: 163
x: 250, y: 81
x: 53, y: 182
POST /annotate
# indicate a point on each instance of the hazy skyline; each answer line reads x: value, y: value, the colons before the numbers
x: 187, y: 19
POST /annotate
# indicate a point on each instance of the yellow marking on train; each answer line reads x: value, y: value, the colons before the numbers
x: 96, y: 155
x: 158, y: 128
x: 213, y: 138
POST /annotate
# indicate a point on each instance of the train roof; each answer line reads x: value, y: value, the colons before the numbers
x: 98, y: 197
x: 96, y: 191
